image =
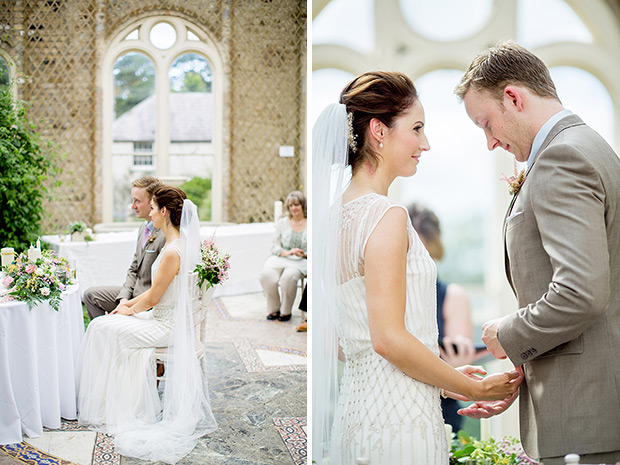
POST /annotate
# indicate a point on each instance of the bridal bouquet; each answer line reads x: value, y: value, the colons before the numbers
x: 34, y: 282
x: 214, y: 266
x: 507, y: 451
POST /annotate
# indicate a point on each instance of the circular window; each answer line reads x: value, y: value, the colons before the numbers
x: 446, y: 20
x: 163, y: 36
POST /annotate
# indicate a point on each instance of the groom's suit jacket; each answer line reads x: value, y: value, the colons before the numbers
x: 139, y: 276
x: 562, y: 252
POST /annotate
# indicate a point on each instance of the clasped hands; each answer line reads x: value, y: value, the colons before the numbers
x: 485, y: 408
x: 297, y: 252
x: 122, y: 309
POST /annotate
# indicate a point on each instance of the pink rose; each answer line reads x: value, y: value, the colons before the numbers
x: 30, y: 269
x: 45, y: 291
x: 7, y: 281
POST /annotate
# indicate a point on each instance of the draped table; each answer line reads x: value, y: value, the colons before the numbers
x: 38, y: 353
x: 104, y: 261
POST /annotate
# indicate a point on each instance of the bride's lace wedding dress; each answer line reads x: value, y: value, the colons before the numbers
x: 382, y: 414
x: 117, y: 390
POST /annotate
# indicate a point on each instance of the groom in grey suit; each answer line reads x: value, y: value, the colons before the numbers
x: 562, y: 254
x: 103, y: 299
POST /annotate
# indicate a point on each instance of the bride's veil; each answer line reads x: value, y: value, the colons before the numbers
x: 329, y: 159
x: 186, y: 405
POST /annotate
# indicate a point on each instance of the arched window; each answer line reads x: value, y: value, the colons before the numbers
x: 162, y: 114
x: 5, y: 76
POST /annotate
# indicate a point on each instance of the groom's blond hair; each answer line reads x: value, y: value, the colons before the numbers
x: 149, y: 183
x: 505, y: 64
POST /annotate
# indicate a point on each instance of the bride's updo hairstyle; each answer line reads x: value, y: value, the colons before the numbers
x: 171, y: 198
x: 376, y: 94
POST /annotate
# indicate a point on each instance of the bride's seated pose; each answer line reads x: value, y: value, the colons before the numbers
x: 376, y: 288
x: 116, y: 375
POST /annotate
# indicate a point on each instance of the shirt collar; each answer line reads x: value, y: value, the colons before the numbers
x: 544, y: 132
x: 149, y: 226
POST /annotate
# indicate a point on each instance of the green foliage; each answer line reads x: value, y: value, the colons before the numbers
x: 134, y: 81
x: 27, y: 161
x: 507, y: 451
x: 198, y: 190
x: 4, y: 73
x: 76, y: 226
x: 193, y: 82
x: 191, y: 73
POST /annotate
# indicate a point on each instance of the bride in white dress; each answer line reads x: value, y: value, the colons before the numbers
x: 375, y: 285
x: 117, y: 389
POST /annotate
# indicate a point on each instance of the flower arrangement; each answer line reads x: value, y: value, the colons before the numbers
x: 34, y: 282
x: 214, y: 266
x: 514, y: 182
x: 507, y: 451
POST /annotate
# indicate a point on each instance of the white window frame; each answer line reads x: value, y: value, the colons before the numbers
x: 162, y: 61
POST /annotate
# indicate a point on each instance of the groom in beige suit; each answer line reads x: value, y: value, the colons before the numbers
x: 562, y: 253
x: 103, y: 299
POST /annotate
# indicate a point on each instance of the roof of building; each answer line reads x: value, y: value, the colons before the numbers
x: 191, y: 119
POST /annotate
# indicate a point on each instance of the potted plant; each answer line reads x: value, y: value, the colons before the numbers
x: 79, y: 232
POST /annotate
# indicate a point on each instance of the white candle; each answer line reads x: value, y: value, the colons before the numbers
x: 485, y: 429
x: 277, y: 210
x: 33, y: 254
x: 8, y: 254
x: 448, y: 428
x: 39, y: 244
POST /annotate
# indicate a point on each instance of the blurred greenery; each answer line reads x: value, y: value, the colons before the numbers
x: 29, y: 169
x: 198, y: 190
x: 191, y: 73
x: 4, y: 73
x: 134, y: 81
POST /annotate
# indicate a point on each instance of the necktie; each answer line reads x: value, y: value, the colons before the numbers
x: 146, y: 236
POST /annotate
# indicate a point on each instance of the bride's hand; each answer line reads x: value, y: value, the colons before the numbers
x: 470, y: 371
x: 497, y: 386
x: 121, y: 310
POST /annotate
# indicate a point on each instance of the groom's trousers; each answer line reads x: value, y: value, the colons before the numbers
x: 101, y: 299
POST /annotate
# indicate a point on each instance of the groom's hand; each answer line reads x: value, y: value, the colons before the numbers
x: 487, y: 409
x: 489, y: 337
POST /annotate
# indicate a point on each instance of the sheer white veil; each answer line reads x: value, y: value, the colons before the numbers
x: 329, y: 159
x: 186, y: 411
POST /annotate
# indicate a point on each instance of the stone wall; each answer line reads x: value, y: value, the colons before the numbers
x: 57, y: 47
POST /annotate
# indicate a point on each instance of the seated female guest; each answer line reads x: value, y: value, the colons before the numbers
x: 117, y: 389
x: 288, y: 264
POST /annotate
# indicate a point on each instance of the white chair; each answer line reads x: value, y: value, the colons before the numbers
x: 201, y: 298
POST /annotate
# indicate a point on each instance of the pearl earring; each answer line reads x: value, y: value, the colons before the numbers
x: 381, y: 144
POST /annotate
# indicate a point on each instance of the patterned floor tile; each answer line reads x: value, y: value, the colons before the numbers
x: 293, y: 433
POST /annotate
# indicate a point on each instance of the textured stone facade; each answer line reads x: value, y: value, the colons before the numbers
x: 58, y: 45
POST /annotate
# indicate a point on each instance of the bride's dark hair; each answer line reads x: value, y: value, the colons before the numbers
x: 171, y: 198
x: 377, y: 94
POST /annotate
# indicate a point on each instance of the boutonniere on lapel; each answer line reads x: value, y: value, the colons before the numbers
x: 514, y: 182
x: 151, y: 238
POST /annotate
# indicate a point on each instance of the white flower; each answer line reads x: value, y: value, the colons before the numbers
x: 45, y: 291
x: 38, y: 272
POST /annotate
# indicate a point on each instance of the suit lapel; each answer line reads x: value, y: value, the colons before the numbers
x: 564, y: 123
x: 141, y: 249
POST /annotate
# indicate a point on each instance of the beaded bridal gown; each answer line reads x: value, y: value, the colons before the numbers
x: 382, y: 414
x: 117, y: 390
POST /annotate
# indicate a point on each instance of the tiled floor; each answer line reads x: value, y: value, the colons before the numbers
x: 257, y: 380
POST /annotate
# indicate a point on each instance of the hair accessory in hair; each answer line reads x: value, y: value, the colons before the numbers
x: 352, y: 135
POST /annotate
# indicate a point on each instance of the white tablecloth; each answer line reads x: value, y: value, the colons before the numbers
x: 38, y: 350
x: 104, y: 262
